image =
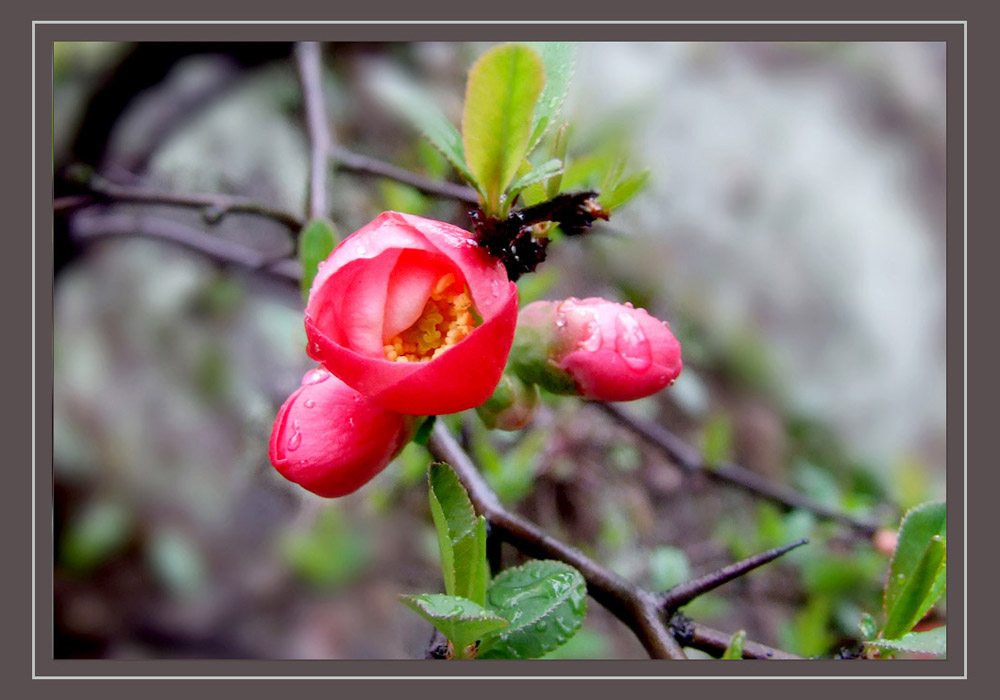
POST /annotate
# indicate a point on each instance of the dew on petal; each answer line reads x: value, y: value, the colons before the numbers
x: 315, y: 376
x: 309, y: 403
x: 631, y: 343
x: 295, y: 440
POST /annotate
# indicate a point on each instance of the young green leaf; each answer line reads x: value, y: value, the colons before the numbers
x: 459, y: 619
x: 549, y: 168
x: 735, y: 648
x: 916, y: 537
x: 559, y: 146
x: 624, y: 190
x: 424, y: 430
x: 462, y: 562
x: 919, y: 591
x: 558, y: 59
x: 416, y: 106
x: 930, y: 642
x: 316, y: 242
x: 503, y: 87
x: 545, y: 601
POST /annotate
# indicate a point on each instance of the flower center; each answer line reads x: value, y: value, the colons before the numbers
x: 446, y: 320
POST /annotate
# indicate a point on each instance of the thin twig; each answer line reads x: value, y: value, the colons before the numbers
x: 363, y: 165
x: 686, y: 592
x: 217, y: 205
x: 218, y: 249
x: 691, y: 460
x: 307, y: 55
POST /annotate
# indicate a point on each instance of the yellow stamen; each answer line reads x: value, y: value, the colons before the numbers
x: 445, y: 321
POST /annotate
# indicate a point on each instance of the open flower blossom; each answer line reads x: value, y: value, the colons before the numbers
x: 414, y: 315
x: 331, y: 440
x: 596, y: 349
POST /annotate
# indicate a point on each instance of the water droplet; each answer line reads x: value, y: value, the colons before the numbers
x: 592, y: 337
x: 361, y: 250
x: 295, y: 440
x: 631, y: 343
x: 350, y: 422
x: 628, y: 304
x: 315, y: 376
x: 309, y: 403
x: 901, y: 577
x: 494, y: 288
x: 542, y: 626
x: 302, y: 463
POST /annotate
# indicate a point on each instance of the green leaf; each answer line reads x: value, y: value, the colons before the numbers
x: 908, y: 570
x: 668, y: 566
x: 95, y: 537
x: 543, y: 172
x: 929, y: 642
x: 479, y: 577
x: 459, y: 619
x: 545, y: 601
x: 316, y: 241
x: 419, y: 108
x: 423, y: 433
x: 624, y: 190
x: 462, y: 561
x: 717, y: 438
x: 503, y: 87
x: 920, y: 590
x: 558, y: 152
x: 558, y: 59
x: 735, y: 648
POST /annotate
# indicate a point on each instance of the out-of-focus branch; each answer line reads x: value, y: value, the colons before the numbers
x: 321, y: 142
x: 214, y: 206
x: 349, y: 161
x: 690, y: 460
x: 87, y: 228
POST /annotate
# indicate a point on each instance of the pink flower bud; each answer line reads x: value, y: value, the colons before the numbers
x: 331, y: 440
x: 414, y: 315
x: 596, y: 349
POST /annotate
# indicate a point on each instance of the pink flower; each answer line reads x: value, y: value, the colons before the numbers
x: 331, y: 440
x: 596, y: 349
x: 414, y: 315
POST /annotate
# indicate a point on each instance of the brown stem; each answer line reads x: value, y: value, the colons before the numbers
x: 307, y: 55
x: 363, y: 165
x: 690, y: 460
x: 102, y: 190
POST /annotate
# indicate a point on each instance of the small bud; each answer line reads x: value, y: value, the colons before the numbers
x: 512, y: 406
x: 595, y: 349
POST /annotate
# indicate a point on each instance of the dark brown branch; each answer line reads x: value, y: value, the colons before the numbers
x: 690, y: 460
x: 622, y: 598
x: 307, y: 55
x: 85, y: 228
x: 216, y: 205
x: 714, y: 642
x: 363, y: 165
x: 686, y: 592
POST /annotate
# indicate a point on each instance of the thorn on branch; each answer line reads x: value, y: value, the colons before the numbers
x: 686, y: 592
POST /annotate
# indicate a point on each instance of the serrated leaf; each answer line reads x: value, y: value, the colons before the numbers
x: 917, y: 531
x: 316, y: 242
x: 456, y: 524
x: 919, y: 591
x: 930, y: 642
x: 460, y: 620
x: 625, y: 190
x: 558, y: 60
x: 500, y: 97
x: 545, y: 602
x: 419, y: 108
x: 735, y: 648
x: 549, y: 168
